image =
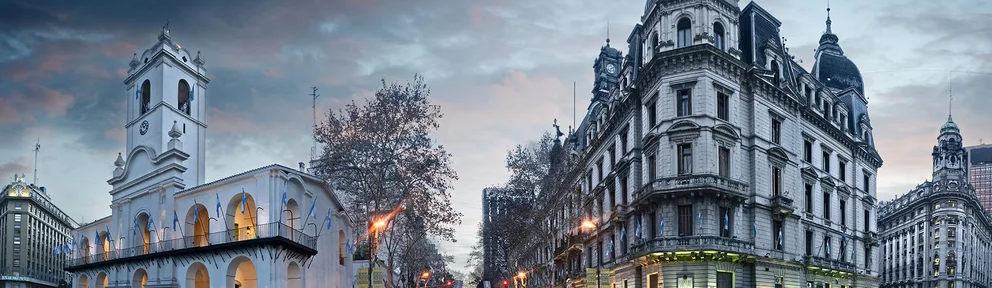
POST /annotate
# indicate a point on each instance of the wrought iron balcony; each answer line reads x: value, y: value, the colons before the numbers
x: 264, y: 234
x: 871, y: 238
x: 832, y: 264
x: 670, y: 187
x: 692, y: 243
x: 782, y: 204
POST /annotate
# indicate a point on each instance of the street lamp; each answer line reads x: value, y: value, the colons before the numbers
x: 425, y: 276
x: 523, y: 275
x: 591, y: 225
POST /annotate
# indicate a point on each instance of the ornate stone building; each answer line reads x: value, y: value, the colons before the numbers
x: 938, y: 234
x: 710, y: 158
x: 35, y: 235
x: 262, y: 228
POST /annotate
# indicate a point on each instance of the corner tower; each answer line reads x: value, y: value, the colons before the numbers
x: 166, y: 92
x: 950, y: 159
x: 607, y: 71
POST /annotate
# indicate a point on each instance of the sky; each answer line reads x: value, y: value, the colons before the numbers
x: 502, y: 71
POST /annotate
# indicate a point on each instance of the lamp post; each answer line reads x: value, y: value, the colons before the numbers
x: 377, y: 226
x: 599, y: 250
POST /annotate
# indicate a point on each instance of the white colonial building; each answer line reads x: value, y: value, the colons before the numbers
x: 268, y: 227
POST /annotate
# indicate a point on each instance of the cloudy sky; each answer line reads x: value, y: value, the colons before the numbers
x: 502, y: 70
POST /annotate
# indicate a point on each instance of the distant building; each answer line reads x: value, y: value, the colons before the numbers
x: 35, y: 237
x: 980, y: 173
x: 495, y: 243
x: 938, y: 234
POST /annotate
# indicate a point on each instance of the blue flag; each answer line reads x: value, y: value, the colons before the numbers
x: 699, y: 219
x: 726, y: 220
x: 56, y: 250
x: 661, y: 227
x: 349, y: 247
x: 136, y: 227
x: 754, y: 230
x: 328, y: 218
x: 175, y: 220
x: 220, y: 212
x: 97, y: 238
x: 828, y: 247
x: 137, y: 92
x: 108, y: 233
x: 637, y: 229
x: 191, y: 89
x: 312, y: 206
x: 196, y: 213
x: 151, y: 222
x: 283, y: 196
x: 779, y: 237
x: 244, y: 201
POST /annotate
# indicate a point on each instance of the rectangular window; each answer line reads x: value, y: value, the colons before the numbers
x: 623, y: 141
x: 17, y: 229
x: 685, y: 158
x: 599, y: 168
x: 726, y: 222
x: 868, y: 255
x: 613, y: 157
x: 778, y: 235
x: 809, y: 198
x: 843, y: 250
x: 17, y: 205
x: 653, y: 112
x: 843, y: 213
x: 652, y: 231
x: 826, y: 206
x: 826, y: 161
x: 808, y: 151
x: 865, y: 180
x: 652, y: 168
x: 652, y: 280
x: 684, y: 102
x: 724, y: 279
x: 685, y: 220
x: 17, y: 262
x: 776, y: 181
x: 842, y: 170
x: 724, y: 162
x: 809, y: 243
x: 776, y: 131
x: 722, y: 106
x: 589, y: 179
x: 17, y: 217
x: 623, y: 190
x: 866, y: 222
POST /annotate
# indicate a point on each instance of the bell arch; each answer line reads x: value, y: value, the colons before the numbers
x: 146, y: 97
x: 84, y: 282
x: 143, y: 236
x: 182, y: 100
x: 101, y: 280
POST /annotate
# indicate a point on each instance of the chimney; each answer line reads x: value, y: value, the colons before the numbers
x: 302, y: 168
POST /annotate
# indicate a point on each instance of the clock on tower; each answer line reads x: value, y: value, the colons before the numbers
x: 607, y: 70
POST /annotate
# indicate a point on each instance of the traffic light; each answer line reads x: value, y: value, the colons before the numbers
x: 449, y: 283
x: 506, y: 283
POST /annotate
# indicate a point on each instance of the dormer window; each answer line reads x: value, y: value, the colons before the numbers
x: 775, y: 70
x: 684, y: 28
x: 146, y: 96
x: 718, y: 35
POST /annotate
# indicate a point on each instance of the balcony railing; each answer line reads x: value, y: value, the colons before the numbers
x: 269, y: 232
x: 830, y: 264
x: 697, y: 182
x: 690, y: 243
x: 783, y: 204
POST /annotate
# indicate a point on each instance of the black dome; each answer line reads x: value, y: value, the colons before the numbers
x: 838, y: 72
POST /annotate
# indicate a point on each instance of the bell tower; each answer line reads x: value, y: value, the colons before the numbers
x: 166, y: 92
x: 607, y: 71
x: 950, y: 159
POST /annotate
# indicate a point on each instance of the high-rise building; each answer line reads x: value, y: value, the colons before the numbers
x: 259, y: 228
x: 938, y: 235
x: 980, y: 173
x: 708, y: 157
x: 35, y: 233
x: 497, y: 235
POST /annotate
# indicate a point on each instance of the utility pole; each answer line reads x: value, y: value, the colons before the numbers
x: 313, y: 150
x: 37, y: 147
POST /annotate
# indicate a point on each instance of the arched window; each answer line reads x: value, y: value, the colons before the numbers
x: 654, y: 44
x: 184, y: 98
x: 341, y: 248
x: 775, y: 70
x: 718, y: 35
x: 951, y: 263
x: 684, y: 28
x: 146, y: 96
x: 936, y: 264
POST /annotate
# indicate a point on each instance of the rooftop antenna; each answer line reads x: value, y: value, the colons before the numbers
x: 313, y: 95
x: 950, y: 92
x: 607, y: 32
x: 573, y: 104
x: 828, y: 17
x: 37, y: 147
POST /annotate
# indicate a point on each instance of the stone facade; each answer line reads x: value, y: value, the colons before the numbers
x: 262, y: 228
x: 725, y: 163
x: 35, y: 234
x: 938, y: 234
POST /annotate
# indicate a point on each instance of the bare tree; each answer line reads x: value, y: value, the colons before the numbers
x: 382, y: 159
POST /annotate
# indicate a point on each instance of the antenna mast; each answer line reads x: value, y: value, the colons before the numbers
x: 573, y: 105
x: 313, y: 150
x: 37, y: 147
x: 950, y: 92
